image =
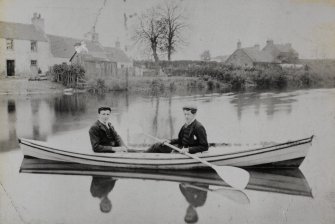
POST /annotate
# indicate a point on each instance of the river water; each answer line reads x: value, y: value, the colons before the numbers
x: 237, y: 118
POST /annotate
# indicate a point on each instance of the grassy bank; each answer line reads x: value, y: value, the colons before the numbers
x: 153, y: 85
x: 313, y: 74
x: 24, y: 86
x: 186, y: 76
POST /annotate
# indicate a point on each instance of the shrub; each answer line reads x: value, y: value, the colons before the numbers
x: 66, y: 74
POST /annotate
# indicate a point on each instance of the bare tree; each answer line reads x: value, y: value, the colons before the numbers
x: 175, y: 24
x: 150, y: 30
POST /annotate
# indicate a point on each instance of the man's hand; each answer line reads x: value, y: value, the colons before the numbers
x: 120, y: 149
x: 166, y: 141
x: 183, y: 150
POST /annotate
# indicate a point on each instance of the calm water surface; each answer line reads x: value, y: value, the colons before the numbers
x: 244, y: 118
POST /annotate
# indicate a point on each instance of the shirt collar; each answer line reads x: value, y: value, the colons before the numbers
x: 106, y: 124
x: 186, y: 124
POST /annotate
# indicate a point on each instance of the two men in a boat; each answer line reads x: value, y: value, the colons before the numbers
x: 192, y: 137
x: 103, y: 136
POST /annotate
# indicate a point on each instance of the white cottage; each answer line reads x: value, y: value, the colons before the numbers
x: 24, y: 49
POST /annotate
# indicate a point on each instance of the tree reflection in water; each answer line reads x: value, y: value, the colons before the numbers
x: 70, y: 105
x: 195, y: 198
x: 101, y: 186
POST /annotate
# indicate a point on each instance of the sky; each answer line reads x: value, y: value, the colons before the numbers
x: 214, y: 25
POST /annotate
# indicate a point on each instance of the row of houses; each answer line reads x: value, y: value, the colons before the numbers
x: 271, y: 53
x: 25, y: 50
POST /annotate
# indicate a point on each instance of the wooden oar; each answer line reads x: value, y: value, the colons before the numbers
x: 235, y: 195
x: 236, y: 177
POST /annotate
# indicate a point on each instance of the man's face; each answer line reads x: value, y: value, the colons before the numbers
x: 188, y: 116
x: 104, y: 115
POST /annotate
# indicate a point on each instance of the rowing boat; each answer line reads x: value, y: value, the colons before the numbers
x: 282, y: 181
x: 285, y: 155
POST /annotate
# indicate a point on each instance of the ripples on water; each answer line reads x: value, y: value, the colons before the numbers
x: 127, y: 197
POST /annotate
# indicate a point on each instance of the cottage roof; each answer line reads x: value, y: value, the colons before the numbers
x: 20, y: 31
x: 257, y: 55
x: 63, y: 47
x: 116, y: 54
x: 221, y: 58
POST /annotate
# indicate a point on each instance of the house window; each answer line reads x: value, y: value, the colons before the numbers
x: 10, y: 44
x: 33, y: 63
x: 33, y: 46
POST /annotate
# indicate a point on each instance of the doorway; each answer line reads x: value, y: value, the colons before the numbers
x: 10, y: 67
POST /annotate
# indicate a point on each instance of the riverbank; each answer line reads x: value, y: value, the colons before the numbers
x: 214, y: 75
x: 24, y: 86
x: 135, y: 85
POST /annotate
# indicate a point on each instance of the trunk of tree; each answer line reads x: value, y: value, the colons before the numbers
x: 154, y: 52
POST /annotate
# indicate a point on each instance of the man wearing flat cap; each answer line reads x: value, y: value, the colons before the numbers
x: 103, y: 136
x: 192, y: 137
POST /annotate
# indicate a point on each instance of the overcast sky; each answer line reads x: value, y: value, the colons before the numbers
x: 215, y: 25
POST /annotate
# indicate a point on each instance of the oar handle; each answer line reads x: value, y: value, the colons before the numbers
x: 179, y: 150
x: 188, y: 154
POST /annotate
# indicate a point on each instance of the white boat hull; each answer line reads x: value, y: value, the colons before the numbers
x: 289, y: 154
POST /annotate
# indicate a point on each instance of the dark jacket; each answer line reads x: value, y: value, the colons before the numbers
x: 194, y: 196
x: 102, y: 139
x: 101, y: 186
x: 197, y: 138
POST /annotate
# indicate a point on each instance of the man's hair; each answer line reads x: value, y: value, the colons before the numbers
x: 104, y: 108
x: 193, y: 110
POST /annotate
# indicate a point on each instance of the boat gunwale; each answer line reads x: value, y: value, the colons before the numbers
x: 187, y: 163
x: 175, y: 156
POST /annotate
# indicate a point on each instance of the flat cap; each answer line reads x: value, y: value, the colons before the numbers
x: 190, y: 107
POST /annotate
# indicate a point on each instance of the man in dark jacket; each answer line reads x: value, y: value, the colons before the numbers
x: 103, y: 136
x: 192, y: 137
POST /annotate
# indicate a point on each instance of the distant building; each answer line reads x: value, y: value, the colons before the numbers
x: 281, y: 53
x: 118, y: 55
x: 94, y: 61
x: 24, y: 48
x: 270, y: 54
x: 248, y: 57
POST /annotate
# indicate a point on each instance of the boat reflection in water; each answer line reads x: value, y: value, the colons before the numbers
x: 194, y: 185
x: 100, y: 188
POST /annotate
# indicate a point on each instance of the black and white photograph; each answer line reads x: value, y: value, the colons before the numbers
x: 167, y: 111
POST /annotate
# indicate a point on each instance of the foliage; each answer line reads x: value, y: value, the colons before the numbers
x: 216, y: 75
x: 68, y: 75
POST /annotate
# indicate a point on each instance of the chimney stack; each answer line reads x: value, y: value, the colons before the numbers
x: 118, y: 44
x: 269, y: 42
x: 92, y: 35
x: 239, y: 44
x: 38, y: 21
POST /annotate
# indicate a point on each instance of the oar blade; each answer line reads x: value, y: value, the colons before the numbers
x: 234, y: 176
x: 235, y: 195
